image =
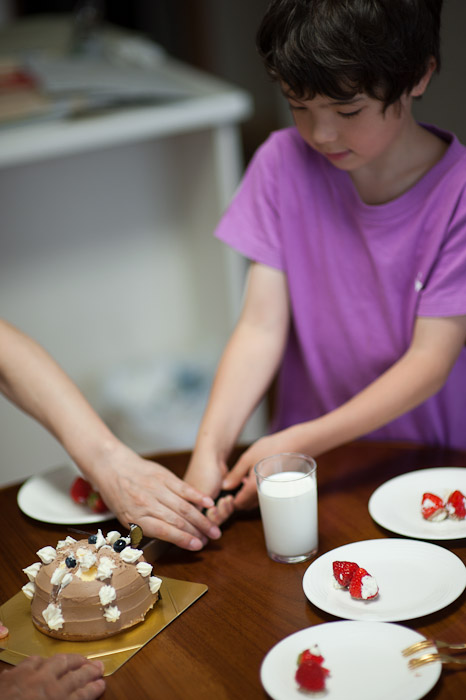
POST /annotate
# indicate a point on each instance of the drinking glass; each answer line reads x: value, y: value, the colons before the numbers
x: 287, y: 489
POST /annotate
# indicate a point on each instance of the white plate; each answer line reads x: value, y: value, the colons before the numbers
x: 46, y: 497
x: 396, y: 505
x: 414, y: 578
x: 364, y: 660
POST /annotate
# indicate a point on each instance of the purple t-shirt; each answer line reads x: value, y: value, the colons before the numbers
x: 358, y: 276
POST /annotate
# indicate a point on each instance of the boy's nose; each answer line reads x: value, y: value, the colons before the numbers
x: 322, y: 130
x: 323, y: 133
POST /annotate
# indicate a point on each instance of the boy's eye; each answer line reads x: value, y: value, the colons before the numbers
x: 295, y: 108
x: 348, y: 115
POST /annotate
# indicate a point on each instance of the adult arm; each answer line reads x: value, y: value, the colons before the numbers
x: 136, y: 490
x: 416, y: 376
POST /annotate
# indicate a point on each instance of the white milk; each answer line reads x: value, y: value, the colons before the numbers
x: 289, y: 513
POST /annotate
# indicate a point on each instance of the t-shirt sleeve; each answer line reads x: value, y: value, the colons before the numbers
x: 250, y: 224
x: 444, y: 292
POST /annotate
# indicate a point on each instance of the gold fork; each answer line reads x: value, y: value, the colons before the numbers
x: 430, y: 658
x: 425, y: 643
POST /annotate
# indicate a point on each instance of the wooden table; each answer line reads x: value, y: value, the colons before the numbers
x: 214, y: 650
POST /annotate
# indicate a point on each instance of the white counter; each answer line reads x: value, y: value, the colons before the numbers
x: 106, y: 247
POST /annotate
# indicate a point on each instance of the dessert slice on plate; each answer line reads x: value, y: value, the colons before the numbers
x: 433, y: 507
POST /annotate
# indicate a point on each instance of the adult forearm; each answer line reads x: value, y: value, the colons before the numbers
x: 34, y: 382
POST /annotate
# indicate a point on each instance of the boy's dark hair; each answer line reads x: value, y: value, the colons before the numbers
x: 339, y: 48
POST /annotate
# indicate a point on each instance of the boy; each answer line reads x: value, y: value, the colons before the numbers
x: 355, y: 224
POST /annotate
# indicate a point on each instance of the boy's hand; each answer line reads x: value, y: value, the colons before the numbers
x: 243, y: 471
x: 60, y: 677
x: 242, y: 474
x: 206, y: 473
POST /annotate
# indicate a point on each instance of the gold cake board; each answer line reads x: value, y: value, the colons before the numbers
x: 25, y: 640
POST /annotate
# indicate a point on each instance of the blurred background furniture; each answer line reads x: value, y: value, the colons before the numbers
x: 107, y: 254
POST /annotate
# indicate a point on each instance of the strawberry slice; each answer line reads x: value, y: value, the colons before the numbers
x: 456, y: 505
x: 344, y: 572
x: 432, y: 507
x: 80, y: 490
x: 96, y: 503
x: 313, y: 655
x: 363, y: 585
x: 311, y: 676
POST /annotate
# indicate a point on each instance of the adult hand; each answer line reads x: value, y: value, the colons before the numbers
x: 140, y: 491
x: 60, y: 677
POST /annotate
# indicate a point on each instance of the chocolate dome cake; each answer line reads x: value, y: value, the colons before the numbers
x: 92, y: 588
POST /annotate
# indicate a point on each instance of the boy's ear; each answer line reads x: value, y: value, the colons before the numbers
x: 421, y: 87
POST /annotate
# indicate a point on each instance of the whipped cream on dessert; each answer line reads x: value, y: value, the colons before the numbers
x: 369, y: 588
x: 434, y: 508
x: 358, y: 581
x: 90, y: 589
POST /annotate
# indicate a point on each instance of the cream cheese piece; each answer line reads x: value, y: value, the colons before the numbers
x: 100, y: 541
x: 86, y: 558
x: 338, y: 586
x: 111, y: 613
x: 154, y: 584
x: 67, y: 578
x: 369, y: 587
x: 438, y: 516
x: 113, y: 536
x: 61, y: 577
x: 107, y: 594
x: 65, y: 542
x: 105, y: 568
x: 46, y: 554
x: 130, y: 555
x: 29, y: 590
x: 32, y: 570
x: 58, y: 575
x: 144, y: 568
x: 53, y: 617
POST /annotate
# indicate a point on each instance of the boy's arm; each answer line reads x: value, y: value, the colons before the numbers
x: 246, y: 369
x: 135, y: 489
x: 418, y: 374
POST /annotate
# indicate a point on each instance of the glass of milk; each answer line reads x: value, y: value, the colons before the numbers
x: 287, y: 489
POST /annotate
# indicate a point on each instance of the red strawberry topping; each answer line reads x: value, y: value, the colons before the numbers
x: 432, y: 507
x: 80, y: 490
x: 456, y: 505
x: 363, y: 585
x: 344, y: 572
x: 311, y: 676
x: 96, y: 503
x: 308, y: 655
